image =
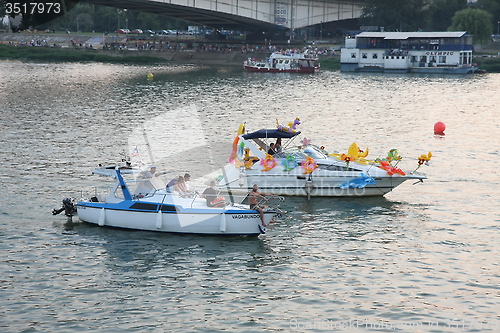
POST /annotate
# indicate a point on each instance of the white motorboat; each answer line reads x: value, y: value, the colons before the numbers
x: 303, y: 169
x: 146, y: 204
x: 284, y: 62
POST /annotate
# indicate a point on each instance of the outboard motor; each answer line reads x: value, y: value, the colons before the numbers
x: 68, y: 207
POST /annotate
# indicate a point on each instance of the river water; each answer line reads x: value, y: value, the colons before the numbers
x: 424, y: 258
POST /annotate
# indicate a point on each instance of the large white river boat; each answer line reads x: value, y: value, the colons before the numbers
x: 409, y: 52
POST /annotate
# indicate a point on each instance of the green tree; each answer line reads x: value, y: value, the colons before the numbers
x: 401, y: 15
x: 442, y: 12
x: 476, y: 22
x: 148, y: 21
x: 84, y: 22
x: 493, y: 7
x: 105, y: 19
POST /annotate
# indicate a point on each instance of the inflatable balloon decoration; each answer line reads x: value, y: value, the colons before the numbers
x: 354, y: 154
x: 424, y: 158
x: 249, y: 161
x: 289, y: 163
x: 305, y: 142
x: 384, y: 165
x: 234, y: 153
x: 358, y: 182
x: 291, y: 128
x: 268, y: 163
x: 309, y: 165
x: 392, y: 155
x: 233, y: 158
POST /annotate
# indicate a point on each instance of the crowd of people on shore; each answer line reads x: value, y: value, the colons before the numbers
x: 163, y: 46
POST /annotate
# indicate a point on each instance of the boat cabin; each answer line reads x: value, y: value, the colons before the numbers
x: 427, y: 52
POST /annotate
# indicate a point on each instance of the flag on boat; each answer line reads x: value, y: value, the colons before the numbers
x: 135, y: 152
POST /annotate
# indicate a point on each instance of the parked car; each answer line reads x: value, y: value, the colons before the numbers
x: 136, y: 31
x: 122, y: 31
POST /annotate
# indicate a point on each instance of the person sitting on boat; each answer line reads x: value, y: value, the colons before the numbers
x: 277, y: 146
x: 187, y: 177
x: 180, y: 187
x: 254, y: 204
x: 210, y: 194
x: 171, y: 184
x: 271, y: 150
x: 150, y: 173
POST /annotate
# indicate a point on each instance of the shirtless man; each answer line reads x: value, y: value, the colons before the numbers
x: 252, y: 200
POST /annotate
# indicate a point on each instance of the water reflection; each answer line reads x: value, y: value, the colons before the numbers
x: 409, y: 256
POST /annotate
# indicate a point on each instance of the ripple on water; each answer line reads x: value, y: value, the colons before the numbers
x: 424, y: 255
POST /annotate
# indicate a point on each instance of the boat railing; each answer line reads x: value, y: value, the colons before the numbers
x: 273, y: 203
x: 196, y: 194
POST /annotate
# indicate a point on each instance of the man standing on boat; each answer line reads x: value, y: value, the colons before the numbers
x: 254, y: 204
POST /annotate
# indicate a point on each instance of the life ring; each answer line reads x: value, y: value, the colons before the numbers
x: 289, y: 163
x: 268, y: 163
x: 309, y: 165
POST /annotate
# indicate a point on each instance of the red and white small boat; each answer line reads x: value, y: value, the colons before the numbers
x: 284, y: 62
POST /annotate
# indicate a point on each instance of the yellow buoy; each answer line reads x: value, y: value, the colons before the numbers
x: 150, y: 76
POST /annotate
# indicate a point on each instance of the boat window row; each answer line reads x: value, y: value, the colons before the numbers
x: 446, y: 43
x: 153, y: 207
x: 337, y: 168
x: 394, y: 57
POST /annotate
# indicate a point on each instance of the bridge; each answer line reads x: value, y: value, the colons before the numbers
x: 250, y: 14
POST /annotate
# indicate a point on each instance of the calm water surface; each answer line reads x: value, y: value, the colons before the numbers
x: 425, y: 258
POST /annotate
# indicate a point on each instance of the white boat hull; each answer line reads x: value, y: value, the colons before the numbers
x: 218, y: 222
x: 321, y: 183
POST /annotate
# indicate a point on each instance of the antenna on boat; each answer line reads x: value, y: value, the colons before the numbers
x: 148, y: 145
x: 229, y: 192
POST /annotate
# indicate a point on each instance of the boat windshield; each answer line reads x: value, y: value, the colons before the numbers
x: 300, y: 154
x: 141, y: 186
x: 315, y: 152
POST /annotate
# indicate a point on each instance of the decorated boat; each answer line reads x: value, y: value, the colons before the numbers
x: 147, y: 204
x: 287, y: 62
x: 281, y: 163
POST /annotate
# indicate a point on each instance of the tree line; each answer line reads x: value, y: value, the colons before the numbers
x: 478, y: 18
x: 87, y: 17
